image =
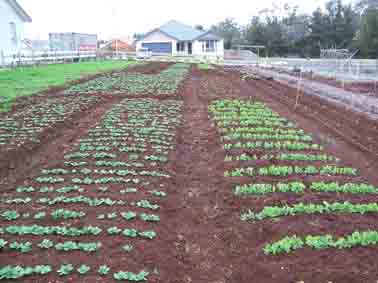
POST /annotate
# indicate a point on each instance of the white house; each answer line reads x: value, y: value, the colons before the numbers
x: 12, y: 20
x: 178, y: 39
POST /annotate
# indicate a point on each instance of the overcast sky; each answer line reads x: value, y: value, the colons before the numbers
x: 119, y: 18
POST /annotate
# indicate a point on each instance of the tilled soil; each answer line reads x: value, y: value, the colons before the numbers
x: 213, y: 245
x: 55, y: 141
x: 201, y: 237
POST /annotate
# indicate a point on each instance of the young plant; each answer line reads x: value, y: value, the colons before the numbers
x: 286, y: 245
x: 10, y: 215
x: 128, y: 215
x: 83, y: 269
x: 103, y: 270
x: 65, y: 269
x: 46, y: 244
x: 114, y: 231
x: 22, y: 247
x: 122, y: 275
x: 3, y: 243
x: 40, y: 215
x: 127, y: 248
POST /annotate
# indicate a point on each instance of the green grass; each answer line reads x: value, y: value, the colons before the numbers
x: 204, y: 66
x: 26, y: 81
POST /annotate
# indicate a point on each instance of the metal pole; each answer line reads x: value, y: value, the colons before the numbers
x: 2, y: 59
x: 117, y: 48
x: 298, y: 90
x: 33, y: 63
x: 19, y: 58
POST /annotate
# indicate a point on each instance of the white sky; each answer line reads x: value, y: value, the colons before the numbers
x: 113, y: 18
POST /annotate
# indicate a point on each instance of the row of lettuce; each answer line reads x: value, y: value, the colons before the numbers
x: 166, y: 82
x: 279, y: 158
x: 101, y: 199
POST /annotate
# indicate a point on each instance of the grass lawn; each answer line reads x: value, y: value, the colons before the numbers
x: 204, y: 66
x: 25, y: 81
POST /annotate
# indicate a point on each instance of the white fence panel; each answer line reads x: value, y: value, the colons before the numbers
x: 30, y: 57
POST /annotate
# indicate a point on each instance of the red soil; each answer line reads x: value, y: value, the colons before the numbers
x: 201, y: 238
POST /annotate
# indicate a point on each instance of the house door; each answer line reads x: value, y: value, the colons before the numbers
x: 190, y: 47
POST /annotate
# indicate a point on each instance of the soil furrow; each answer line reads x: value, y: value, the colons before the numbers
x: 53, y: 145
x: 198, y: 192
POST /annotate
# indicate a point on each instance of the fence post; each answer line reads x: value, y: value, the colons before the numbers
x: 2, y: 59
x: 32, y: 59
x: 19, y: 59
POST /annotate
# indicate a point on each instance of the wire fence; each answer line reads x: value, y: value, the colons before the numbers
x: 347, y: 70
x: 25, y: 58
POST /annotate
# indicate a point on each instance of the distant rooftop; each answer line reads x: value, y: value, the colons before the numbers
x: 180, y: 31
x: 19, y: 10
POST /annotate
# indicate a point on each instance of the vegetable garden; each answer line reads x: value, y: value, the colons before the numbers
x: 282, y: 159
x: 181, y: 173
x: 113, y: 178
x: 27, y: 125
x: 164, y: 83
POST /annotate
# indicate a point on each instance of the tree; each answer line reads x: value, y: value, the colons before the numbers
x: 336, y: 28
x: 364, y: 4
x: 255, y: 32
x: 138, y: 36
x: 275, y: 43
x: 369, y: 33
x: 296, y: 31
x: 199, y: 27
x: 351, y: 21
x: 316, y: 38
x: 285, y: 32
x: 229, y: 30
x: 341, y: 24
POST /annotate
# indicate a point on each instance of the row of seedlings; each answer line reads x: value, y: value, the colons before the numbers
x: 27, y: 125
x: 95, y: 214
x: 166, y: 82
x: 270, y: 160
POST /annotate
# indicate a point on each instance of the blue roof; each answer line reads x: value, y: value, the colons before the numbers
x: 180, y: 31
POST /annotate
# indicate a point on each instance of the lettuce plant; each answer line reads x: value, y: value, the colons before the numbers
x: 127, y: 248
x: 65, y: 269
x: 83, y: 269
x: 129, y: 215
x: 46, y: 244
x: 22, y: 247
x: 3, y: 243
x: 122, y: 275
x: 103, y: 269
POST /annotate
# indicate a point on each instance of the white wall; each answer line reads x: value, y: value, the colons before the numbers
x: 196, y: 46
x: 8, y: 15
x: 219, y: 49
x: 158, y: 37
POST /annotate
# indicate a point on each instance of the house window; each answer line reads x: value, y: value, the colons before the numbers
x: 13, y: 31
x: 180, y: 46
x: 208, y: 46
